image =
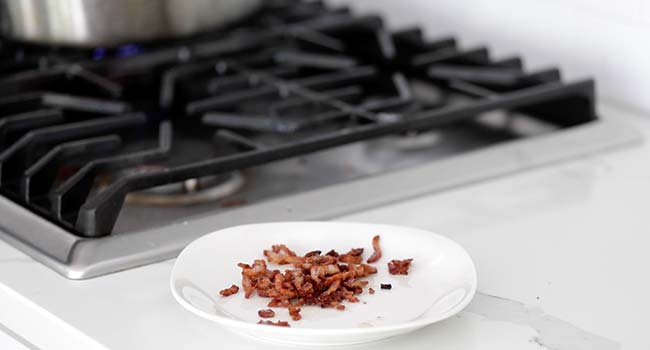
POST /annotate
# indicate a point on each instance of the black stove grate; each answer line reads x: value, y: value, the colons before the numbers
x: 298, y: 78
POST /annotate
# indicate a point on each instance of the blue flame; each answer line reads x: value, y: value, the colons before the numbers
x: 128, y: 50
x: 99, y: 53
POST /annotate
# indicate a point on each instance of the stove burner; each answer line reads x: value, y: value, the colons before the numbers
x: 418, y: 141
x: 190, y: 192
x: 297, y: 79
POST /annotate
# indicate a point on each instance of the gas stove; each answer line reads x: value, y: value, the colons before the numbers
x: 115, y: 158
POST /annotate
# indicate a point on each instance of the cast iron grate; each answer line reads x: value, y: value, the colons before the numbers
x: 298, y: 78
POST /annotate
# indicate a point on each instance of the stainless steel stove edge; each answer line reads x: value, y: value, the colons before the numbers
x: 77, y: 258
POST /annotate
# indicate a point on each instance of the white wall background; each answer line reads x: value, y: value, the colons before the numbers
x: 607, y: 39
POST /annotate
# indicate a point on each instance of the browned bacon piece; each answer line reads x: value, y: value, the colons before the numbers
x: 294, y: 312
x: 268, y: 313
x: 399, y: 267
x: 332, y: 253
x: 280, y: 254
x: 313, y: 253
x: 376, y: 255
x: 277, y: 324
x: 229, y: 291
x: 352, y: 257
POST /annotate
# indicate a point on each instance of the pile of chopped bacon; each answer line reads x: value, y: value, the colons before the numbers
x: 324, y: 280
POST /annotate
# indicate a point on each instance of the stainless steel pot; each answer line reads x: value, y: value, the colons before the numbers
x: 93, y: 23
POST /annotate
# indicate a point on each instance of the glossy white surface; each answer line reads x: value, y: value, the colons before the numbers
x: 441, y: 281
x: 561, y: 254
x: 8, y: 342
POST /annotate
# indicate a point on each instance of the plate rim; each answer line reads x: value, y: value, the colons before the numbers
x: 243, y: 325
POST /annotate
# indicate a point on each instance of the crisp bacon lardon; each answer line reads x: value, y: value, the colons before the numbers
x: 268, y: 313
x: 399, y: 267
x: 352, y: 257
x: 332, y: 253
x: 229, y: 291
x: 313, y: 253
x: 281, y: 255
x: 256, y: 276
x: 376, y: 255
x: 294, y: 312
x: 277, y: 324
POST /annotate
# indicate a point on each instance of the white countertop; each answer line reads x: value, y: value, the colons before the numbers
x: 561, y: 253
x: 11, y: 341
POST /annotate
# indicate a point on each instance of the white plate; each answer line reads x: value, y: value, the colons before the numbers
x: 441, y: 282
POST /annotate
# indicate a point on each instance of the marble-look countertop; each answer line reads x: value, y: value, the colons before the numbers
x: 561, y: 253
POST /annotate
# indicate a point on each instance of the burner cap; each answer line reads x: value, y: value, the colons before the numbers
x: 211, y: 188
